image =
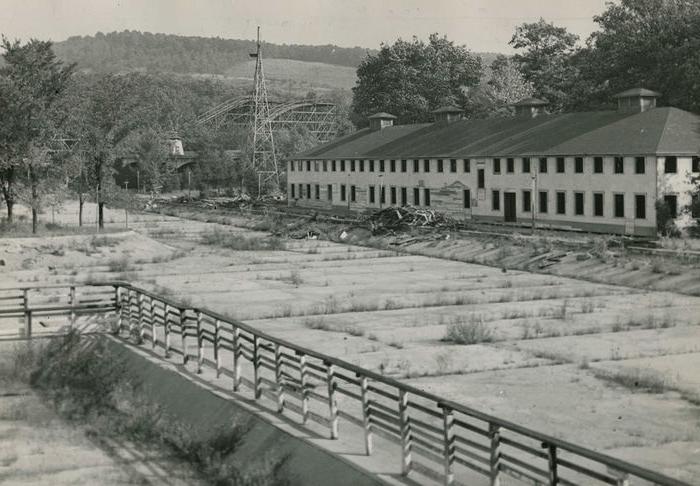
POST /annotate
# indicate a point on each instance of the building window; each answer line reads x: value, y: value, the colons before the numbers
x: 598, y: 204
x: 316, y: 164
x: 526, y: 164
x: 342, y: 192
x: 561, y: 165
x: 466, y: 198
x: 342, y: 165
x: 308, y: 166
x: 453, y: 165
x: 415, y: 166
x: 496, y: 200
x: 416, y: 196
x: 301, y: 191
x: 382, y: 194
x: 671, y: 201
x: 371, y: 194
x: 481, y: 179
x: 619, y: 165
x: 352, y: 166
x: 317, y: 191
x: 392, y: 165
x: 353, y: 193
x: 544, y: 202
x: 426, y: 165
x: 404, y: 196
x: 639, y: 165
x: 371, y: 165
x: 392, y: 195
x: 510, y: 165
x: 291, y: 191
x: 439, y: 165
x: 381, y: 165
x: 619, y: 205
x: 325, y: 166
x: 329, y: 190
x: 333, y: 165
x: 291, y: 165
x: 671, y: 165
x: 578, y: 203
x: 426, y: 197
x: 598, y: 165
x: 640, y: 206
x: 467, y: 165
x: 543, y: 165
x: 308, y: 191
x: 496, y: 166
x: 578, y: 165
x: 561, y: 202
x: 362, y: 165
x: 527, y: 201
x: 695, y: 166
x: 404, y: 165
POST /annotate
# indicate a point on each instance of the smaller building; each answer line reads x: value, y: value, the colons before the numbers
x: 600, y: 171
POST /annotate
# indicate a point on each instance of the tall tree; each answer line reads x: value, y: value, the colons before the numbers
x: 411, y: 78
x: 544, y: 58
x: 495, y: 97
x: 31, y: 82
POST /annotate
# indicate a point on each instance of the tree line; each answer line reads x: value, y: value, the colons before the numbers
x: 649, y: 43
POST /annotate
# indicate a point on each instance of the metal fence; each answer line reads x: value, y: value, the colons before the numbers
x: 452, y: 439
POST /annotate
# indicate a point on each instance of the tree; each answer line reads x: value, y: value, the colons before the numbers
x: 649, y: 43
x: 31, y: 82
x: 545, y: 60
x: 411, y: 78
x: 495, y: 97
x: 151, y: 152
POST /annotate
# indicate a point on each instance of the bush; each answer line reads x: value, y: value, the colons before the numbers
x: 472, y: 331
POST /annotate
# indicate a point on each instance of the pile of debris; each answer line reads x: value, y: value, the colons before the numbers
x: 401, y: 218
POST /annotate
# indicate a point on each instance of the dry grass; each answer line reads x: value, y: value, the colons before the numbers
x: 471, y: 330
x: 241, y: 243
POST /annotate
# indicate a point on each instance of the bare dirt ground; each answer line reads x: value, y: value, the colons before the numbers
x: 607, y: 365
x: 37, y: 447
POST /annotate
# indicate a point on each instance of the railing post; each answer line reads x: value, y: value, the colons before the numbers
x: 152, y: 316
x: 217, y: 360
x: 183, y: 335
x: 132, y: 324
x: 166, y: 329
x: 366, y: 410
x: 200, y: 343
x: 256, y: 367
x: 552, y: 463
x: 304, y: 388
x: 278, y: 379
x: 332, y: 401
x: 495, y: 458
x: 119, y: 308
x: 27, y: 314
x: 141, y: 331
x: 71, y: 297
x: 449, y: 444
x: 405, y: 428
x: 236, y: 358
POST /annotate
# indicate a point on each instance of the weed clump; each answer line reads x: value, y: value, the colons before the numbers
x: 468, y: 331
x: 242, y: 243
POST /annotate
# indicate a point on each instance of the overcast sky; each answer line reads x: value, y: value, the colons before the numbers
x: 483, y: 25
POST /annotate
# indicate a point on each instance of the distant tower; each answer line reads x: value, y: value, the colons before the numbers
x: 264, y: 159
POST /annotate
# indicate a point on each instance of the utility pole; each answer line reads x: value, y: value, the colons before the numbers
x: 534, y: 199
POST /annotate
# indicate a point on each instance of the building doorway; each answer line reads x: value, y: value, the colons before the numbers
x: 509, y: 207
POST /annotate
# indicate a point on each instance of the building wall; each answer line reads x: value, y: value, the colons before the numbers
x: 678, y: 184
x: 447, y: 188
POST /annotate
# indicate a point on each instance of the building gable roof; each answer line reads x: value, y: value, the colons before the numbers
x: 659, y: 130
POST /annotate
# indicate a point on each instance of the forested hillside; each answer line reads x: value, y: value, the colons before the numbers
x: 132, y: 51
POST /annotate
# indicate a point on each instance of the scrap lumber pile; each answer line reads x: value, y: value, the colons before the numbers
x: 401, y: 218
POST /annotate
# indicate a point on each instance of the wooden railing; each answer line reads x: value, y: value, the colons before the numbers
x: 448, y: 438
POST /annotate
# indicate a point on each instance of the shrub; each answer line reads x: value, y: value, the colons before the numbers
x: 471, y: 331
x: 242, y: 243
x: 118, y: 265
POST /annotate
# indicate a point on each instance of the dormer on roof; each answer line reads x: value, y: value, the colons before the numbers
x: 636, y: 100
x: 530, y: 107
x: 381, y: 120
x: 448, y: 114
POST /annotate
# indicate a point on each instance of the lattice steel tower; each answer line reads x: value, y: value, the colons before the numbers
x: 264, y: 159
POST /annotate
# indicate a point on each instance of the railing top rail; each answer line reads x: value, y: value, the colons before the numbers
x: 440, y: 402
x: 63, y: 286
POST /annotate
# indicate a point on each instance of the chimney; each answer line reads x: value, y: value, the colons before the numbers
x: 530, y: 108
x: 381, y: 120
x: 636, y: 100
x: 448, y: 114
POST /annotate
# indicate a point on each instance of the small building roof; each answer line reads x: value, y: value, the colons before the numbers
x: 449, y: 109
x: 637, y: 92
x: 531, y: 102
x: 382, y: 115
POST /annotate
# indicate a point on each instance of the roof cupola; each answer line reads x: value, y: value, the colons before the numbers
x: 636, y: 100
x: 381, y: 120
x: 448, y: 114
x: 530, y: 107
